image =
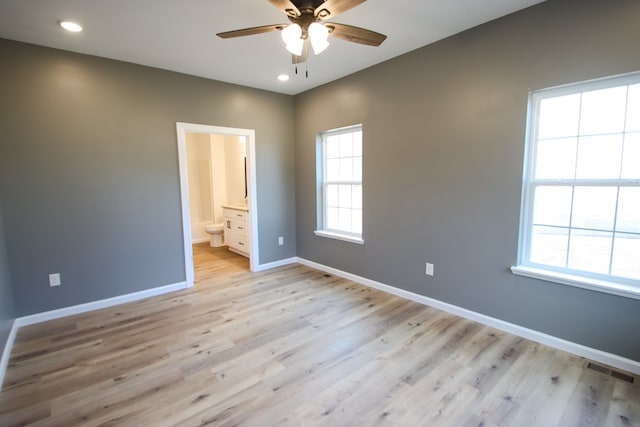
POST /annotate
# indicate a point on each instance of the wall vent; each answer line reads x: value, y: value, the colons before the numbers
x: 610, y: 372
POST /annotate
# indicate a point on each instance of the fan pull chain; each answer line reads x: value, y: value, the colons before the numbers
x: 306, y: 71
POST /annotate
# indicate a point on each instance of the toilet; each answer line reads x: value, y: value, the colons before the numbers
x: 217, y: 234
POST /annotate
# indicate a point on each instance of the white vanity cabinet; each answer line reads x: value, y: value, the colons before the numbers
x: 235, y: 229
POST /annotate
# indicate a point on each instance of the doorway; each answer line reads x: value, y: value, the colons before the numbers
x: 248, y: 135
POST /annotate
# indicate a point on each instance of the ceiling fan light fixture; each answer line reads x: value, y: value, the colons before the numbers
x: 319, y: 35
x: 318, y: 31
x: 319, y: 45
x: 291, y: 34
x: 295, y: 47
x: 292, y: 37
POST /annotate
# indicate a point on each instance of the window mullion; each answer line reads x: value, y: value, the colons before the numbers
x: 343, y: 182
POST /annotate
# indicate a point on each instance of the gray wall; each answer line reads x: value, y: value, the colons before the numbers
x: 89, y: 171
x: 444, y: 130
x: 7, y: 309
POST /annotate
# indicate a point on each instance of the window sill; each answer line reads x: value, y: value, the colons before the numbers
x: 619, y: 289
x: 338, y: 236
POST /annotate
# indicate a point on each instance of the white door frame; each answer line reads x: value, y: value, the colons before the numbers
x: 182, y: 129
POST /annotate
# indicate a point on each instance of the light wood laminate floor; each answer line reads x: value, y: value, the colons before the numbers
x: 295, y: 346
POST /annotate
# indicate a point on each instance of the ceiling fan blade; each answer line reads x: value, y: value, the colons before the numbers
x: 355, y: 34
x: 251, y: 31
x: 287, y: 7
x: 295, y: 59
x: 331, y: 8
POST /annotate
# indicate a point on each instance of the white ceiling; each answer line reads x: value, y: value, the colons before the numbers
x: 180, y: 35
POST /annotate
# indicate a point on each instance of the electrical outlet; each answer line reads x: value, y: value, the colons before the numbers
x: 54, y: 279
x: 429, y: 269
x: 280, y: 240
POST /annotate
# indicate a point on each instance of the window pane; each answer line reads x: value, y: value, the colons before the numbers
x: 357, y: 143
x: 590, y: 251
x: 333, y: 146
x: 631, y: 156
x: 549, y: 246
x: 332, y: 218
x: 344, y: 219
x: 346, y: 169
x: 629, y: 212
x: 626, y: 262
x: 603, y: 111
x: 357, y: 196
x: 346, y: 145
x: 333, y: 170
x: 356, y: 221
x: 594, y: 207
x: 552, y: 206
x: 556, y: 158
x: 357, y: 168
x: 633, y: 109
x: 332, y: 195
x: 344, y: 198
x: 599, y: 157
x: 559, y: 116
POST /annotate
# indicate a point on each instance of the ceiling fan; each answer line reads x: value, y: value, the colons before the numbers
x: 307, y: 26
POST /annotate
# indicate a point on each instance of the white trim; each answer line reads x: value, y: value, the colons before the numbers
x: 200, y: 240
x: 250, y: 134
x: 97, y: 305
x: 339, y: 236
x: 578, y: 281
x: 555, y: 342
x: 6, y: 353
x: 274, y: 264
x: 252, y: 195
x: 184, y: 197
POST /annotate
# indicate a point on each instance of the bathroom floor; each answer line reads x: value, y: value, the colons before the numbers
x: 208, y: 261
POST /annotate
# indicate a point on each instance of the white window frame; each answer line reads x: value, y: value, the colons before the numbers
x: 321, y: 158
x: 598, y: 282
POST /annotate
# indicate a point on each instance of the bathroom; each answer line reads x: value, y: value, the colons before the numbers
x: 216, y: 167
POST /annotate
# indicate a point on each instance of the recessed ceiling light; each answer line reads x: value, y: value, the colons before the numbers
x: 283, y: 77
x: 70, y: 26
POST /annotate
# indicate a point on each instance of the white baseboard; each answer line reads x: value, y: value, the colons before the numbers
x: 274, y: 264
x: 555, y: 342
x: 6, y: 353
x: 96, y: 305
x: 200, y: 240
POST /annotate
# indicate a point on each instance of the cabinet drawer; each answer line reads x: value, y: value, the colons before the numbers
x: 240, y: 243
x: 237, y: 227
x: 234, y: 214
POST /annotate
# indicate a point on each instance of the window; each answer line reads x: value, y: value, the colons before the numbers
x: 580, y: 220
x: 340, y: 184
